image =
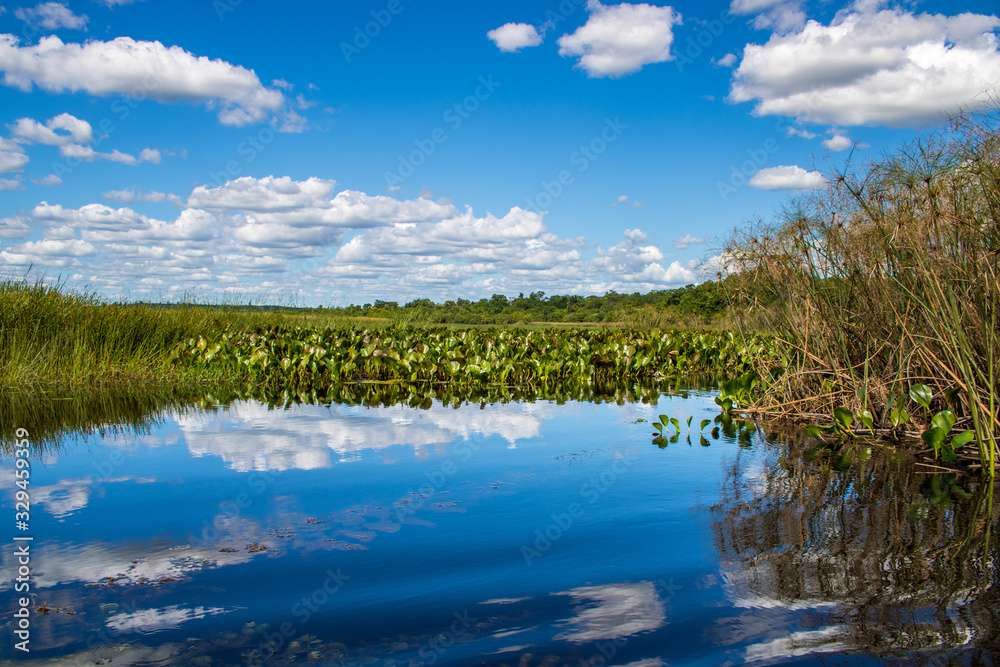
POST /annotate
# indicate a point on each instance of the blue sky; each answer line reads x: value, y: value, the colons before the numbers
x: 330, y: 153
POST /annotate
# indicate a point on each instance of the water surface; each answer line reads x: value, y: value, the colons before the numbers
x: 521, y: 533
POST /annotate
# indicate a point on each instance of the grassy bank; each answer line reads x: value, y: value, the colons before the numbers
x: 885, y: 281
x: 52, y: 336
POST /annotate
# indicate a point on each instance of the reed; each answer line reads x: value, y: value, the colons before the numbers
x: 50, y: 335
x: 886, y: 279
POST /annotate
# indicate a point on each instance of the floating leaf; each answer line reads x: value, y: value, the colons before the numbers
x: 844, y: 418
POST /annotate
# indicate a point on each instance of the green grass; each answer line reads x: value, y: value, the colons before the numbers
x: 51, y: 336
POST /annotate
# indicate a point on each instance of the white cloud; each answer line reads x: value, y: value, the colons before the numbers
x: 6, y: 184
x: 838, y: 142
x: 687, y: 241
x: 780, y: 15
x: 515, y: 36
x: 265, y: 194
x: 65, y: 248
x: 275, y: 239
x: 787, y: 178
x: 132, y: 195
x: 88, y: 154
x: 116, y: 3
x: 888, y: 68
x: 124, y: 65
x: 150, y: 155
x: 12, y: 157
x: 727, y: 60
x: 621, y: 39
x: 800, y: 132
x: 51, y: 16
x: 50, y: 181
x: 73, y: 130
x: 627, y: 203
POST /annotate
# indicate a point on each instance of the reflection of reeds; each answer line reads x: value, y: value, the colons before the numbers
x: 52, y: 417
x: 889, y: 277
x: 901, y: 571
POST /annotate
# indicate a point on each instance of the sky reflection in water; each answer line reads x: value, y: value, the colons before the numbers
x: 520, y: 534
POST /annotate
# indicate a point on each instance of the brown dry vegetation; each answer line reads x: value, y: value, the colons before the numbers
x: 887, y: 278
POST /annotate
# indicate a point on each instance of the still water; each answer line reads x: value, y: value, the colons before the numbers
x: 521, y: 534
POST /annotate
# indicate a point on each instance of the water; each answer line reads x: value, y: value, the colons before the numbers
x: 524, y: 533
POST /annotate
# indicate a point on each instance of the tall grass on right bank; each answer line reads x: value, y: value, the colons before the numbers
x: 885, y: 279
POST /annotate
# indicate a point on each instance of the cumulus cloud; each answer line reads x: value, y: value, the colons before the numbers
x: 513, y: 37
x: 787, y: 178
x: 120, y: 66
x: 51, y: 16
x: 7, y: 184
x: 688, y: 240
x: 12, y: 157
x: 276, y: 238
x: 62, y: 129
x: 885, y: 67
x: 838, y: 142
x: 621, y: 39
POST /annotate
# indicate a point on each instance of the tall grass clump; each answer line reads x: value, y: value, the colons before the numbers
x: 887, y: 279
x: 49, y: 335
x: 53, y: 336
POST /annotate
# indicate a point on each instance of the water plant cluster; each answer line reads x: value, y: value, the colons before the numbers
x: 885, y: 281
x: 302, y: 356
